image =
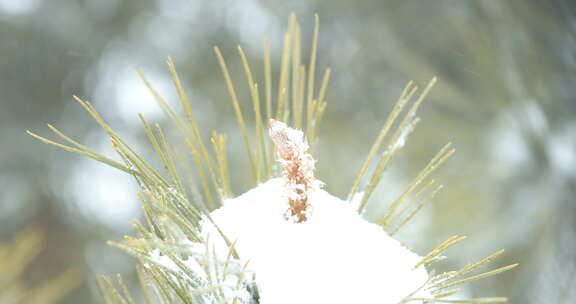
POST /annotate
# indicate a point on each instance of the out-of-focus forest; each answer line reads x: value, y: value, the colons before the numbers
x: 505, y: 98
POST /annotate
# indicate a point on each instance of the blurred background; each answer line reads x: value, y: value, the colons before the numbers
x: 505, y: 98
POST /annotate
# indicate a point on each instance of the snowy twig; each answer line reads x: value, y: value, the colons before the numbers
x: 297, y: 169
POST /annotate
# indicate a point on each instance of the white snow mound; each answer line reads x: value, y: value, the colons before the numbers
x: 334, y: 257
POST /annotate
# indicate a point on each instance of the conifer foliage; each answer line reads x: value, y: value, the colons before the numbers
x: 286, y: 240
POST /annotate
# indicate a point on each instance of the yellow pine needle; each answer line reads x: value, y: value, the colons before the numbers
x: 478, y: 276
x: 252, y: 85
x: 187, y: 131
x: 269, y: 109
x: 416, y: 210
x: 124, y: 289
x: 185, y: 102
x: 68, y: 139
x: 318, y: 114
x: 117, y: 140
x: 474, y: 300
x: 169, y: 160
x: 447, y: 293
x: 129, y: 158
x: 408, y: 91
x: 440, y: 248
x: 201, y: 175
x: 144, y: 280
x: 26, y: 246
x: 153, y: 141
x: 299, y: 93
x: 183, y: 97
x: 268, y: 79
x: 467, y: 269
x: 237, y: 110
x: 318, y: 107
x: 296, y: 75
x: 473, y: 266
x: 219, y: 142
x: 95, y: 156
x: 284, y: 70
x: 324, y: 85
x: 261, y: 155
x: 105, y: 284
x: 312, y: 71
x: 407, y: 205
x: 407, y: 123
x: 438, y: 160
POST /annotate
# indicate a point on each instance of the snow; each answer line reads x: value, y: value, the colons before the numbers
x: 335, y: 256
x: 357, y: 200
x: 162, y: 260
x: 404, y: 133
x: 229, y: 281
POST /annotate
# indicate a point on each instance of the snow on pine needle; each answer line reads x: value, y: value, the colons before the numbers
x: 327, y: 247
x: 285, y: 240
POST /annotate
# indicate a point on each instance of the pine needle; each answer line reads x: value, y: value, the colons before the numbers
x: 398, y: 107
x: 396, y: 142
x: 312, y: 72
x: 474, y: 300
x: 438, y: 160
x: 440, y: 248
x: 476, y: 277
x: 260, y: 162
x: 237, y: 110
x: 219, y: 141
x: 172, y: 220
